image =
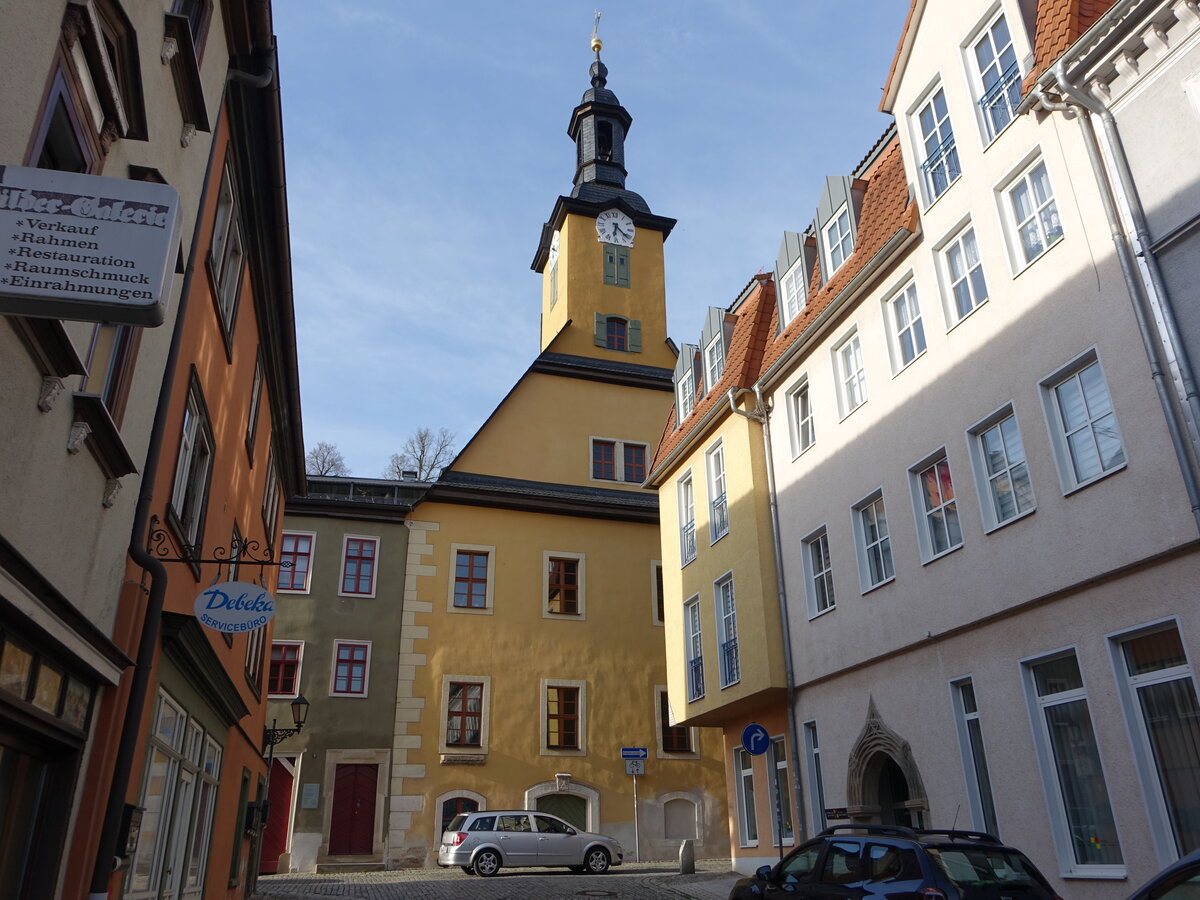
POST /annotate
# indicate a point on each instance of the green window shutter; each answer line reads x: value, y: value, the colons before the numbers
x: 600, y: 338
x: 622, y: 267
x: 634, y: 336
x: 610, y: 264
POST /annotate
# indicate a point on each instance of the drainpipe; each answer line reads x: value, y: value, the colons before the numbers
x: 1080, y: 103
x: 759, y: 415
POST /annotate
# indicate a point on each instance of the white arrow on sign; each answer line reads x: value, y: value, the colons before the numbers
x: 634, y: 753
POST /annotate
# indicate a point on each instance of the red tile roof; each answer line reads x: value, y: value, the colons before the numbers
x: 1059, y: 24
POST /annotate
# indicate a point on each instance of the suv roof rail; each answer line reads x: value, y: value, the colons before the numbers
x: 954, y: 834
x: 893, y: 830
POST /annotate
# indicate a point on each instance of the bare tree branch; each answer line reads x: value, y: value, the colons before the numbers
x: 425, y: 452
x: 325, y: 459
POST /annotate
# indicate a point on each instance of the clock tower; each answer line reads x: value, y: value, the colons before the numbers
x: 601, y: 251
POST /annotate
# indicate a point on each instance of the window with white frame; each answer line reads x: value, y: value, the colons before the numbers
x: 718, y: 522
x: 727, y: 636
x: 818, y: 573
x: 714, y: 361
x: 852, y: 377
x: 780, y: 795
x: 465, y: 713
x: 283, y: 678
x: 795, y: 286
x: 256, y: 650
x: 193, y: 469
x: 998, y: 76
x: 694, y: 647
x: 1032, y: 214
x: 964, y: 274
x: 907, y: 328
x: 937, y: 508
x: 351, y: 669
x: 1083, y: 424
x: 874, y: 542
x: 939, y: 163
x: 839, y: 239
x: 974, y: 758
x: 471, y: 587
x: 687, y: 519
x: 1001, y: 472
x: 226, y: 251
x: 564, y: 584
x: 816, y: 783
x: 685, y: 397
x: 743, y: 764
x: 358, y: 566
x: 1084, y: 833
x: 295, y: 557
x: 800, y: 417
x: 563, y: 714
x: 1160, y: 692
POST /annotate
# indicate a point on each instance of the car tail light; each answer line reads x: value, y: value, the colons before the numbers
x: 928, y: 893
x: 458, y: 838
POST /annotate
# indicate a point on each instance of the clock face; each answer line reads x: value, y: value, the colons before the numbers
x: 554, y: 249
x: 614, y: 227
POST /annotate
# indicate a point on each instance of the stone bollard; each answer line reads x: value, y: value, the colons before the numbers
x: 687, y: 859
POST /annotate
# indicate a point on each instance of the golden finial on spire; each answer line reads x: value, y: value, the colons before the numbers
x: 596, y: 42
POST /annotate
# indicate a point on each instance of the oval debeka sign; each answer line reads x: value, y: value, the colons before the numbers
x: 234, y: 606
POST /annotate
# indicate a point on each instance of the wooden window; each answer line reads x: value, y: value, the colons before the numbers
x: 189, y: 499
x: 297, y: 550
x: 197, y: 12
x: 284, y: 675
x: 562, y: 718
x: 255, y: 651
x: 675, y: 738
x: 358, y: 566
x: 470, y: 579
x: 226, y: 253
x: 615, y: 331
x: 635, y: 463
x: 563, y: 587
x: 350, y: 661
x: 464, y: 714
x: 272, y: 499
x: 255, y: 402
x: 604, y: 460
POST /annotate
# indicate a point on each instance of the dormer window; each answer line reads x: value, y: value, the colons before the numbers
x: 793, y: 271
x: 686, y: 397
x: 714, y: 360
x: 839, y: 239
x: 793, y: 287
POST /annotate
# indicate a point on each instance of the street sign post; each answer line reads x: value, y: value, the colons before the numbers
x: 635, y: 765
x: 755, y: 739
x: 634, y: 753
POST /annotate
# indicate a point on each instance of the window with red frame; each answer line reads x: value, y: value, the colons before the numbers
x: 297, y: 550
x: 358, y: 567
x: 604, y: 460
x: 675, y: 738
x: 562, y: 718
x: 284, y: 676
x: 562, y: 594
x: 616, y: 334
x: 350, y: 669
x: 464, y: 714
x: 635, y: 463
x: 470, y: 579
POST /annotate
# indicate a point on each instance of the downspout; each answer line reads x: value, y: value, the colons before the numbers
x: 759, y: 415
x: 1133, y: 282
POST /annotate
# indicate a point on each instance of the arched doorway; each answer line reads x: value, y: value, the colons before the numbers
x: 571, y: 808
x: 883, y: 783
x: 894, y: 795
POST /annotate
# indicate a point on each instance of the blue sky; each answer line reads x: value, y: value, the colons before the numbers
x: 426, y: 144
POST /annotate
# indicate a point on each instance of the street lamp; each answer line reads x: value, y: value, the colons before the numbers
x: 273, y: 735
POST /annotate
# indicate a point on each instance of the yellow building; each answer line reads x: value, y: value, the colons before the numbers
x: 532, y: 643
x: 726, y: 665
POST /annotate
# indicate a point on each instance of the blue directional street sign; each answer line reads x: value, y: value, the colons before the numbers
x: 634, y: 753
x: 755, y: 739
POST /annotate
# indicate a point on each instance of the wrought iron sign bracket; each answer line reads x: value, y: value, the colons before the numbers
x: 241, y: 551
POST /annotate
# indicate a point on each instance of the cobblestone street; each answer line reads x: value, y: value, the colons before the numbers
x: 635, y: 881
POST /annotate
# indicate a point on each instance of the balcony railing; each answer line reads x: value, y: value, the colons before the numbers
x: 720, y: 517
x: 941, y: 168
x: 695, y: 678
x: 730, y: 667
x: 687, y: 542
x: 1000, y: 100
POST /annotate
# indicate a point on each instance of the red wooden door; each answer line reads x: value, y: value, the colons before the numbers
x: 275, y: 836
x: 352, y: 821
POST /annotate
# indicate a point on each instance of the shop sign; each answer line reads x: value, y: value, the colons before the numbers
x: 86, y: 247
x: 234, y: 606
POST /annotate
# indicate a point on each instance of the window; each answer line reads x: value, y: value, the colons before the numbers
x: 777, y: 759
x: 1084, y: 428
x: 839, y: 239
x: 673, y: 738
x: 852, y: 378
x: 256, y: 647
x: 816, y: 784
x: 908, y: 331
x: 999, y: 77
x: 295, y: 548
x: 464, y: 714
x: 197, y: 13
x: 1160, y: 690
x: 351, y: 664
x: 964, y: 274
x: 694, y: 646
x: 615, y: 334
x: 255, y: 402
x: 64, y: 146
x: 970, y: 743
x: 562, y: 715
x: 1081, y: 816
x: 795, y: 286
x: 189, y: 499
x: 800, y: 418
x: 1033, y: 214
x: 874, y: 542
x: 1001, y: 473
x: 939, y: 168
x: 714, y: 360
x: 272, y: 498
x: 937, y: 509
x: 743, y: 764
x: 727, y: 631
x: 358, y: 566
x: 471, y: 588
x: 818, y: 573
x: 563, y: 584
x: 226, y: 252
x: 718, y: 523
x: 552, y: 278
x: 685, y: 399
x: 616, y: 265
x: 283, y: 680
x: 656, y: 589
x: 618, y: 333
x: 614, y: 460
x: 687, y: 519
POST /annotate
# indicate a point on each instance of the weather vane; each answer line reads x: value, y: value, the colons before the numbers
x: 596, y: 43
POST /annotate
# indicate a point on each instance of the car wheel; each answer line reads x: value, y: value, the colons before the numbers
x: 487, y: 863
x: 468, y: 869
x: 596, y: 861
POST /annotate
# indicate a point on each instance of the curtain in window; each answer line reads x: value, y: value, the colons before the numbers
x: 1085, y: 797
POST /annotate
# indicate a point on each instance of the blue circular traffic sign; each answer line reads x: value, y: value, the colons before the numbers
x: 755, y: 739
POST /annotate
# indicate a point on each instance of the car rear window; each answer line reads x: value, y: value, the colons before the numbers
x: 979, y: 871
x: 456, y: 823
x: 484, y: 823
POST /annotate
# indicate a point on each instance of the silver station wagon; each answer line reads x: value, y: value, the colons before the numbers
x: 483, y: 842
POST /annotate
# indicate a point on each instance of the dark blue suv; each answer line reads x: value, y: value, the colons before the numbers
x: 882, y: 861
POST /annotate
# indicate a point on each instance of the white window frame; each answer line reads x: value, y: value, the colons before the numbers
x: 839, y: 243
x: 944, y: 154
x: 777, y: 769
x: 1064, y: 459
x: 581, y: 586
x: 543, y: 693
x: 904, y: 299
x: 718, y: 506
x: 299, y: 669
x: 743, y: 767
x: 346, y: 538
x: 986, y: 479
x: 925, y: 517
x: 801, y: 429
x: 685, y: 490
x: 714, y: 360
x: 794, y: 287
x: 725, y: 615
x: 966, y: 747
x: 333, y: 661
x: 485, y: 715
x: 864, y: 542
x: 227, y: 252
x: 1050, y: 235
x: 1004, y: 80
x: 618, y: 459
x: 451, y: 569
x: 189, y: 499
x: 312, y: 548
x: 693, y: 647
x: 960, y: 241
x: 685, y: 396
x: 818, y: 537
x: 851, y: 373
x: 816, y: 781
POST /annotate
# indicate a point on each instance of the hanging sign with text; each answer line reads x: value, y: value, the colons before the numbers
x: 234, y: 606
x: 86, y: 247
